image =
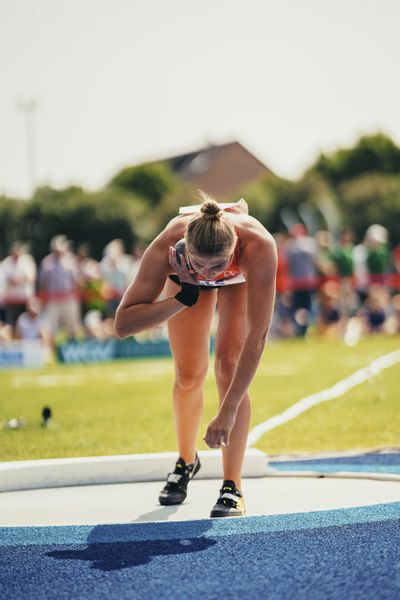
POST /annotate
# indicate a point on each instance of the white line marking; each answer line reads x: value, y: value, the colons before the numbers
x: 148, y: 372
x: 340, y: 388
x: 59, y: 380
x: 47, y: 381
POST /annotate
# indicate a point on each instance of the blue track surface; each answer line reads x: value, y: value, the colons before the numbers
x: 347, y: 553
x: 373, y: 462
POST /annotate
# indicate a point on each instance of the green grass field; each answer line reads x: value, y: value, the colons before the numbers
x: 125, y: 407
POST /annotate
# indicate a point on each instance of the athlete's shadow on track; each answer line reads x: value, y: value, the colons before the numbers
x: 115, y: 547
x: 160, y: 514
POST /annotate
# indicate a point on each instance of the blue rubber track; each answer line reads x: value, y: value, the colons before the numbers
x: 347, y: 553
x: 373, y: 462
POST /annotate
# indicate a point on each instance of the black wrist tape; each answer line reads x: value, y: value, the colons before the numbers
x: 188, y: 295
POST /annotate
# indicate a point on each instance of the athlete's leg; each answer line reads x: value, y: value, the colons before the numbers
x: 231, y: 334
x: 189, y: 336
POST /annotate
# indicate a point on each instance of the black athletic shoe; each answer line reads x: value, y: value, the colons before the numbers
x: 175, y: 490
x: 230, y: 502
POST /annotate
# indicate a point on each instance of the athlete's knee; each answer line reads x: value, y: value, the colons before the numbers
x: 189, y: 378
x: 225, y: 364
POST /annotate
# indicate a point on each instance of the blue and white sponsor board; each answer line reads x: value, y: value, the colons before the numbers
x: 22, y: 353
x: 96, y: 351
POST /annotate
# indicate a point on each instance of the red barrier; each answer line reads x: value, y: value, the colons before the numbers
x: 283, y: 284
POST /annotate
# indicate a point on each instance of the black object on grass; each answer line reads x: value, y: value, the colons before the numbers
x: 46, y: 416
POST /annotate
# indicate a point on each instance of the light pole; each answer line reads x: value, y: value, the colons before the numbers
x: 28, y: 108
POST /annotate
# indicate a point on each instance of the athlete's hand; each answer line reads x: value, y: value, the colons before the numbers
x: 219, y: 429
x: 181, y: 268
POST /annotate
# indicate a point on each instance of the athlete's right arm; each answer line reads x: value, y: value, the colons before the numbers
x: 139, y: 309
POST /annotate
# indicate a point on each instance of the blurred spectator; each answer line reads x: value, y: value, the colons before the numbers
x: 114, y: 268
x: 301, y: 258
x: 328, y: 308
x: 94, y: 326
x: 376, y: 239
x: 281, y: 273
x: 5, y: 332
x: 376, y: 309
x: 19, y: 275
x: 360, y: 270
x: 31, y: 324
x: 395, y: 283
x: 342, y: 258
x: 341, y: 254
x: 393, y: 322
x: 395, y: 278
x: 82, y: 256
x: 137, y: 253
x: 59, y: 281
x: 282, y: 325
x: 371, y: 259
x: 305, y: 266
x: 324, y: 265
x: 396, y: 258
x: 94, y: 288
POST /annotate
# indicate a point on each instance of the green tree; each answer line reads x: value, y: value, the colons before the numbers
x: 279, y: 203
x: 11, y: 211
x: 83, y: 217
x: 371, y: 154
x: 372, y: 198
x: 152, y: 181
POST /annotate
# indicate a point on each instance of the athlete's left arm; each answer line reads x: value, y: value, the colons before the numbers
x: 259, y: 263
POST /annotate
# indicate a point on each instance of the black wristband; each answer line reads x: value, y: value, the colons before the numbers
x: 189, y: 294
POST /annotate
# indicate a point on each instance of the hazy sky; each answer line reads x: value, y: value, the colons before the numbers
x: 119, y: 82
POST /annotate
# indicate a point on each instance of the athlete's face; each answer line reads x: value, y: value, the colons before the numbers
x: 210, y: 266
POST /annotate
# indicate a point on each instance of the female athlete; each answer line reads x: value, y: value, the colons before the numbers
x: 212, y: 255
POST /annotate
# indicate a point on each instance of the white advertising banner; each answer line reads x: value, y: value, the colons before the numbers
x: 18, y: 353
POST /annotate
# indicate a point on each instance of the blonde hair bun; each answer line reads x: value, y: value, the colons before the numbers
x: 211, y: 208
x: 209, y: 233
